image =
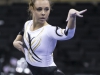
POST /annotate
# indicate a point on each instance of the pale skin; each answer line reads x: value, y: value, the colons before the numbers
x: 40, y: 14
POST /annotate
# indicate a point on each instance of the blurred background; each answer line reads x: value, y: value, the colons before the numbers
x: 77, y: 56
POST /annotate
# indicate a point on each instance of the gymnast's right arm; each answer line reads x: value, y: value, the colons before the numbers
x: 17, y: 43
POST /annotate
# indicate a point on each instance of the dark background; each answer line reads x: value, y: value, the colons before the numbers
x: 77, y: 56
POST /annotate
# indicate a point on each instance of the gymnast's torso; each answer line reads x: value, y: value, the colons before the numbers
x: 40, y: 44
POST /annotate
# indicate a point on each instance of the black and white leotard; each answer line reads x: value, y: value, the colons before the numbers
x: 39, y: 44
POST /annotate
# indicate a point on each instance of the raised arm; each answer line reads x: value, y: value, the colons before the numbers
x: 72, y: 17
x: 67, y: 33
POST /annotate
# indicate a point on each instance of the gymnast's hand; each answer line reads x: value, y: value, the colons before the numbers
x: 73, y: 13
x: 18, y: 45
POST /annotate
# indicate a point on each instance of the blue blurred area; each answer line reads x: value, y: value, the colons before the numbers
x: 78, y: 56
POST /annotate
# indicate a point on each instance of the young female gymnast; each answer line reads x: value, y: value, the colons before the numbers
x: 38, y: 39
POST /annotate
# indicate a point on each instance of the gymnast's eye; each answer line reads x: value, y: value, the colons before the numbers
x: 46, y: 9
x: 39, y: 9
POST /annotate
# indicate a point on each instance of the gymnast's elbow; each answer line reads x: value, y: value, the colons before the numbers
x: 70, y: 36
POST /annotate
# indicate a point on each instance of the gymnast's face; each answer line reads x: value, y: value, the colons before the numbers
x: 41, y: 11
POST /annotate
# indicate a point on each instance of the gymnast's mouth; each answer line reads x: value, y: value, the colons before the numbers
x: 42, y: 18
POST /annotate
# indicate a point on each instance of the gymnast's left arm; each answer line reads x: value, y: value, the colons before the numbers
x: 67, y: 33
